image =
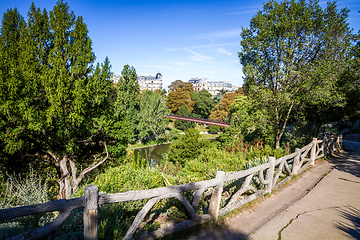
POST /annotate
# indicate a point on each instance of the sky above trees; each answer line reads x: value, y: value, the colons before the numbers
x: 180, y: 39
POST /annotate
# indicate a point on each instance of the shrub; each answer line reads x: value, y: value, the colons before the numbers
x: 187, y: 147
x: 22, y: 192
x: 214, y: 129
x: 184, y: 125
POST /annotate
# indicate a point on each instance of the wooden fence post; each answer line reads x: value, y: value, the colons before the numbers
x: 296, y: 162
x: 313, y: 151
x: 91, y: 194
x: 325, y: 146
x: 270, y: 174
x: 216, y: 196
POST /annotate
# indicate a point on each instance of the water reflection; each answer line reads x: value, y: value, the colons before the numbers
x: 152, y: 153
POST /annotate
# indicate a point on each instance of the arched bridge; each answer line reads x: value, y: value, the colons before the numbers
x: 200, y: 120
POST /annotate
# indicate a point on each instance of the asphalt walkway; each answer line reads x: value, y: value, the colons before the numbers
x: 323, y: 203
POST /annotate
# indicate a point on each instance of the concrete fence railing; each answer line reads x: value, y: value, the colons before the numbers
x: 250, y: 184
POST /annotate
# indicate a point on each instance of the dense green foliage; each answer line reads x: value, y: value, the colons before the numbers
x: 187, y: 147
x: 54, y: 103
x: 179, y: 94
x: 293, y: 53
x: 184, y: 125
x: 127, y: 104
x: 152, y: 122
x: 204, y: 103
x: 249, y: 122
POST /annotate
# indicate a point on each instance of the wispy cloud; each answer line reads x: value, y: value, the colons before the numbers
x: 231, y: 33
x: 223, y: 51
x: 197, y: 56
x: 245, y: 10
x: 214, y: 45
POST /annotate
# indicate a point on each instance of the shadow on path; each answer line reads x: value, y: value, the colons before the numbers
x: 352, y: 214
x: 225, y: 233
x: 352, y: 163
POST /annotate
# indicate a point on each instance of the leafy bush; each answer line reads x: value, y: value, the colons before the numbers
x: 299, y: 134
x: 187, y: 147
x: 22, y: 192
x: 214, y: 129
x: 184, y: 125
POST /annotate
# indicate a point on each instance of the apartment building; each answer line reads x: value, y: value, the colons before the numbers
x: 212, y: 86
x: 150, y: 82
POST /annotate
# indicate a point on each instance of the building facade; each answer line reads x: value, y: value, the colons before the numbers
x: 115, y: 77
x: 199, y: 83
x: 151, y: 83
x: 212, y: 87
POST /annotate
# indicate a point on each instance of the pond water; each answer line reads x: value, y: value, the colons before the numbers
x: 152, y: 153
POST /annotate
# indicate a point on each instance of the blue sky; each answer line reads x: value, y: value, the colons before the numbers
x: 179, y: 39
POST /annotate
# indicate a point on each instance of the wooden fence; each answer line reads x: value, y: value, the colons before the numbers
x: 249, y: 184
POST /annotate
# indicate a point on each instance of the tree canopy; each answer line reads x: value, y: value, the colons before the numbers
x: 204, y: 103
x: 152, y: 122
x: 127, y: 104
x: 180, y: 93
x: 292, y: 53
x: 221, y: 110
x: 184, y: 125
x: 54, y: 102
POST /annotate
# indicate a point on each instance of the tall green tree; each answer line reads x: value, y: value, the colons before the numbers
x: 291, y: 53
x: 152, y: 121
x: 184, y: 125
x: 350, y: 80
x: 249, y: 121
x: 204, y: 103
x: 127, y: 105
x: 219, y: 95
x: 179, y: 94
x: 15, y: 95
x: 222, y: 109
x: 59, y: 102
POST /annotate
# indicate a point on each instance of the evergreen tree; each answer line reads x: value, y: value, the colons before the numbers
x: 204, y: 103
x: 127, y: 105
x: 54, y: 104
x: 184, y: 125
x: 152, y: 122
x: 15, y: 94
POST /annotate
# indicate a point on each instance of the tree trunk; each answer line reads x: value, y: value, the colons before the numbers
x: 67, y: 188
x: 64, y: 181
x: 278, y: 133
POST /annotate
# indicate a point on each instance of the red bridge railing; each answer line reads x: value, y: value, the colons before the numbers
x: 200, y: 120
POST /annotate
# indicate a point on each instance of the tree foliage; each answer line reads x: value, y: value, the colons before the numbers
x: 180, y: 93
x: 127, y: 104
x: 151, y: 115
x: 184, y: 125
x: 54, y: 103
x: 221, y: 110
x: 293, y: 52
x: 350, y: 80
x: 204, y: 103
x: 187, y: 147
x: 250, y: 122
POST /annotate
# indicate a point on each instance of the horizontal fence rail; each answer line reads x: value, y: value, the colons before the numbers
x: 249, y: 184
x: 200, y: 120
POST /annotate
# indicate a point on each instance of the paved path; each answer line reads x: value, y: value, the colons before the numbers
x: 324, y: 203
